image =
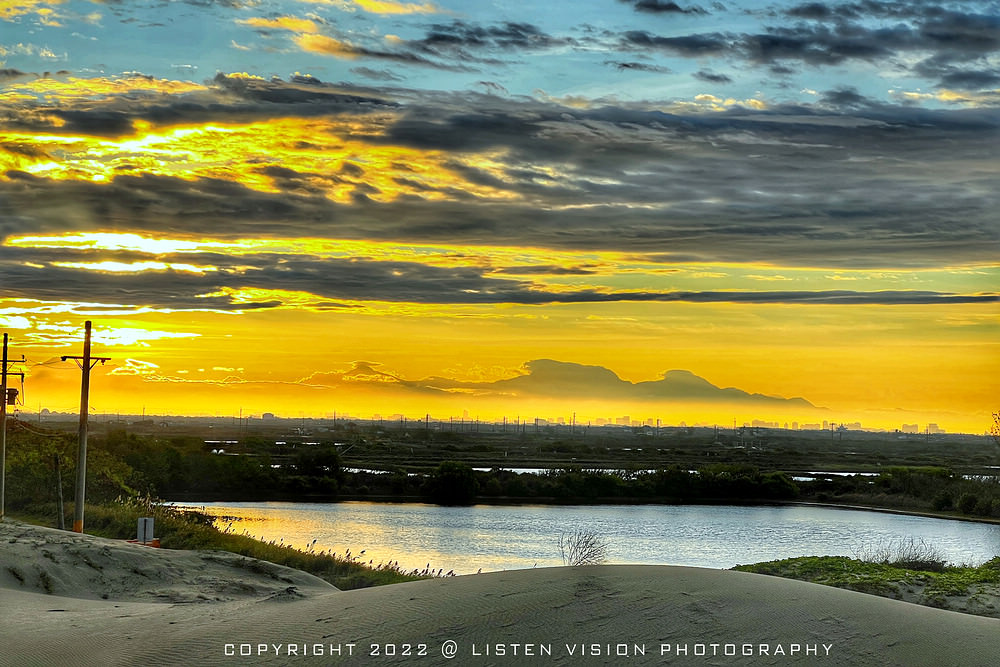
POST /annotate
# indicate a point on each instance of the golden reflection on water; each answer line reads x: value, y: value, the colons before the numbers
x: 312, y: 531
x: 492, y: 538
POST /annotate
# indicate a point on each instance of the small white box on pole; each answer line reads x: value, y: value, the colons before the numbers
x: 144, y: 534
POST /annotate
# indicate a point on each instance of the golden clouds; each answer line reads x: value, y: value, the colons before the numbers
x: 532, y: 268
x: 966, y: 98
x: 304, y: 155
x: 291, y: 23
x: 513, y: 261
x: 708, y: 102
x: 44, y: 326
x: 71, y: 88
x: 111, y: 241
x: 10, y: 10
x: 388, y: 7
x: 248, y: 296
x: 382, y: 6
x: 327, y: 46
x: 134, y: 267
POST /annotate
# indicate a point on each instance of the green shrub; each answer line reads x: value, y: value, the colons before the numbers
x: 943, y: 501
x: 967, y: 503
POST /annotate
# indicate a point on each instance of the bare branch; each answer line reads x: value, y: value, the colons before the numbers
x: 582, y: 547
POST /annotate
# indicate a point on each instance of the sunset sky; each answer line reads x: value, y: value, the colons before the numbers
x: 378, y: 207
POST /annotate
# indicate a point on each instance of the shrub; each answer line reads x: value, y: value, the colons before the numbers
x: 985, y: 506
x: 967, y: 503
x: 582, y: 547
x: 943, y: 501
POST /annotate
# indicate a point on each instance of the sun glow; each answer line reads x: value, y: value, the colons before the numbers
x: 134, y: 267
x: 129, y: 336
x: 116, y: 241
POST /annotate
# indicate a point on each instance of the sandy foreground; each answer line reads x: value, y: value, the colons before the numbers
x: 68, y: 599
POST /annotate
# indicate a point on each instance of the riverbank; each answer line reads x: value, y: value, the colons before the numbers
x: 183, y: 499
x: 952, y: 516
x: 966, y: 589
x: 648, y: 614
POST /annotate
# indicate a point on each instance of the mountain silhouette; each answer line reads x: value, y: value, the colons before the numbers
x: 558, y: 379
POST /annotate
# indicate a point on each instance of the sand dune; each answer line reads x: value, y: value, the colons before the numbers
x: 232, y: 612
x: 69, y: 564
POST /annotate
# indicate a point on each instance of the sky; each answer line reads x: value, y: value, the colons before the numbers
x: 699, y: 212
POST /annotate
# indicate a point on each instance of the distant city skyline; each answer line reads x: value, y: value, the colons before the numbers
x: 302, y: 206
x: 466, y: 421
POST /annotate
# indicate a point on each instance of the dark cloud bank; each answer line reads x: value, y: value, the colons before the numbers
x: 844, y: 183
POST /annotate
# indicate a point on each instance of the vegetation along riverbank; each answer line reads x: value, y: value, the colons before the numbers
x: 127, y: 470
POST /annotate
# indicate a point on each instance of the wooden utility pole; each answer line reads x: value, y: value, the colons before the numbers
x: 3, y: 421
x: 3, y: 428
x: 86, y: 362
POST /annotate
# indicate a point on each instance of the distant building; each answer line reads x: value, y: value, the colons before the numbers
x: 933, y: 429
x: 910, y: 428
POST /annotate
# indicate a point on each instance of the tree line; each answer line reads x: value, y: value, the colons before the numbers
x: 186, y: 468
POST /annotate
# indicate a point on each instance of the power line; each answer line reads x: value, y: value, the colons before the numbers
x: 21, y: 424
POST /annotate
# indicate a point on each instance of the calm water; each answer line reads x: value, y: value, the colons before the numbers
x: 466, y: 539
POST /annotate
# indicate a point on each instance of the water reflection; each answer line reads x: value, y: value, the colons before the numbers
x: 467, y: 539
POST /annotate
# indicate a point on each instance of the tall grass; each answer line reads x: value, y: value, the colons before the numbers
x: 907, y: 553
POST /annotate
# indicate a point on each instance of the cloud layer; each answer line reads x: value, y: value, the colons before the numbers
x: 845, y: 183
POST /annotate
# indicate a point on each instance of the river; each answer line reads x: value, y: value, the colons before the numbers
x: 503, y: 537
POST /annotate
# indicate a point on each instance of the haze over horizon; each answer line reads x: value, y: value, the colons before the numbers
x: 309, y: 206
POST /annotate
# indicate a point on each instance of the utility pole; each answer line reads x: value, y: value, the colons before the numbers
x: 86, y: 363
x: 3, y: 422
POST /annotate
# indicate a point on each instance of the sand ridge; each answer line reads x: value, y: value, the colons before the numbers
x: 600, y: 615
x: 63, y: 563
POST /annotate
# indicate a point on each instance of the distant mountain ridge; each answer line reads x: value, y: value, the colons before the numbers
x: 549, y: 378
